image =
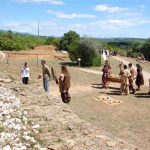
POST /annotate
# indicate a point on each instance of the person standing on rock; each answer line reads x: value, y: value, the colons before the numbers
x: 25, y: 73
x: 46, y: 75
x: 64, y: 84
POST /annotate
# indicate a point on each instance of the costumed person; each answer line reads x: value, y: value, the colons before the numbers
x: 107, y: 53
x: 106, y: 73
x: 132, y: 77
x: 125, y: 74
x: 46, y: 75
x: 25, y: 73
x: 139, y: 78
x: 64, y: 84
x: 104, y: 54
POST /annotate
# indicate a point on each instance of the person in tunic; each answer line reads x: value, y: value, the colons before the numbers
x: 132, y: 77
x: 139, y: 78
x: 64, y: 84
x: 125, y: 74
x: 46, y: 75
x: 25, y: 73
x: 106, y: 73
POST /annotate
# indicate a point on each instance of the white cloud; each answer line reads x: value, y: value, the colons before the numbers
x: 109, y: 9
x: 54, y: 2
x: 105, y: 28
x: 121, y: 23
x: 71, y: 16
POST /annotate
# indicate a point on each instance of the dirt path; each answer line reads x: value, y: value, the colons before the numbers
x: 90, y: 71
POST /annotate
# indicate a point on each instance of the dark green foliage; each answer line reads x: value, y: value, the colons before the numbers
x: 87, y: 52
x: 70, y: 38
x: 146, y: 49
x: 97, y: 60
x: 73, y: 51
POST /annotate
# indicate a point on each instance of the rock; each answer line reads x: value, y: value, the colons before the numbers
x: 58, y: 146
x: 22, y: 94
x: 90, y: 143
x: 27, y: 137
x: 23, y: 147
x: 7, y: 147
x: 70, y: 143
x: 37, y: 126
x: 104, y: 137
x: 111, y: 143
x: 5, y: 80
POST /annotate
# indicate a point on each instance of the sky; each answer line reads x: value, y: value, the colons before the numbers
x: 91, y: 18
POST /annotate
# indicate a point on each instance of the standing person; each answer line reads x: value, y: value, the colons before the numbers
x: 132, y: 77
x: 106, y: 73
x: 125, y: 74
x: 46, y: 75
x: 139, y: 78
x: 64, y: 84
x: 25, y: 73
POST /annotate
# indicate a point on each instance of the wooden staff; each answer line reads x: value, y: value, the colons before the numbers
x: 54, y: 75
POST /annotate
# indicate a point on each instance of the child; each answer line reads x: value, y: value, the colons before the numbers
x: 25, y: 73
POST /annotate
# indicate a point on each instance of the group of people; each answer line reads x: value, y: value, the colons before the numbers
x: 127, y: 76
x: 63, y: 81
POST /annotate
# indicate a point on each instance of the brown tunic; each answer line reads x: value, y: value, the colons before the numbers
x: 46, y: 72
x: 64, y: 82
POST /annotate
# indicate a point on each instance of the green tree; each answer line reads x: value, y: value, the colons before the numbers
x: 69, y: 38
x: 146, y: 49
x: 88, y: 53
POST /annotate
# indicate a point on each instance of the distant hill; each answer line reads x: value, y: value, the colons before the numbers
x: 119, y: 39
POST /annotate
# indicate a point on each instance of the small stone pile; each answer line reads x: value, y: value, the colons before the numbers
x: 107, y: 100
x: 17, y: 132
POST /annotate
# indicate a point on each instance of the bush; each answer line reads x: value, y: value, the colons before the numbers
x: 97, y: 61
x: 86, y: 51
x: 15, y: 41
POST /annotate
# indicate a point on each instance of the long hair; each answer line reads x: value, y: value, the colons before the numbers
x: 138, y: 66
x: 66, y: 83
x: 64, y: 70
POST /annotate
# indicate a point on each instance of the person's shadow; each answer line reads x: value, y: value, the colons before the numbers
x: 142, y: 95
x: 99, y: 86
